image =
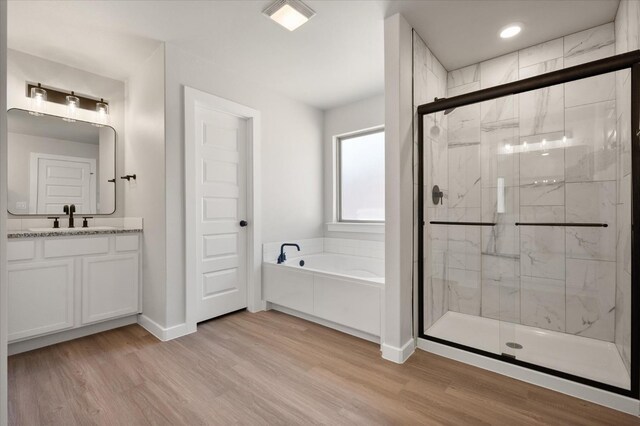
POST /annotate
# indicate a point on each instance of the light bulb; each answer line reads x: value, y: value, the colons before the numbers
x: 73, y: 103
x: 38, y: 101
x: 102, y: 113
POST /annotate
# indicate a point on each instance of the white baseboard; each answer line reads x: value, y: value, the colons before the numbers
x: 259, y: 307
x: 326, y: 323
x: 164, y: 333
x: 578, y: 390
x: 63, y: 336
x: 398, y: 355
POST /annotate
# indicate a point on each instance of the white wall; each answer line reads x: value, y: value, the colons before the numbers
x: 359, y: 115
x: 3, y: 217
x: 145, y: 197
x: 22, y: 68
x: 398, y: 341
x: 292, y: 172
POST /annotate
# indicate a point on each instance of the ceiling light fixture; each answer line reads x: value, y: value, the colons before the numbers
x: 511, y: 30
x: 289, y: 13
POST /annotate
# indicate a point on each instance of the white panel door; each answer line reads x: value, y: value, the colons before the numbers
x: 221, y: 243
x: 63, y: 181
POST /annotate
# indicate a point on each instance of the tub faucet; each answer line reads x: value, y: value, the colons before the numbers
x: 283, y: 255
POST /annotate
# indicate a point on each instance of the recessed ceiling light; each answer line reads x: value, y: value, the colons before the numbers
x: 511, y: 31
x: 289, y: 13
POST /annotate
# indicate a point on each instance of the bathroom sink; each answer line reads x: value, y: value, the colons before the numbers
x: 62, y: 230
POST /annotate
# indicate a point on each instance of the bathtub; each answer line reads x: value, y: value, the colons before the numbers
x: 340, y: 291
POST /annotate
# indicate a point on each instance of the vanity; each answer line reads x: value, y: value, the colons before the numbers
x: 73, y: 268
x: 60, y: 280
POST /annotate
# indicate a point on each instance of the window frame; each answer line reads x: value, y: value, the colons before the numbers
x: 338, y: 174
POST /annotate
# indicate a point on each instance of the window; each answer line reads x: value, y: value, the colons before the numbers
x: 361, y: 177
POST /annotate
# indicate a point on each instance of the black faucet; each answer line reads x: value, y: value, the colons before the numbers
x: 283, y: 255
x: 70, y: 210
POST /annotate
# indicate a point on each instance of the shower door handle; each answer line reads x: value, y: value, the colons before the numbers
x: 584, y: 225
x: 443, y: 222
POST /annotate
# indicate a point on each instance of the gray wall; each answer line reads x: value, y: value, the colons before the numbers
x: 397, y: 334
x: 3, y: 217
x: 145, y: 197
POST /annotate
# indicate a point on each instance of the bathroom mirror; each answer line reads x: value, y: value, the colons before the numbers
x: 53, y: 162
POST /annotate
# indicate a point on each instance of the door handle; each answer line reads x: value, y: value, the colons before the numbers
x: 243, y: 223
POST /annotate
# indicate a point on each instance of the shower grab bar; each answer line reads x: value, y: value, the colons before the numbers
x: 586, y: 225
x: 439, y: 222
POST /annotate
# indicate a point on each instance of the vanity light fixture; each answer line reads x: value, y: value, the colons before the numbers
x: 73, y: 103
x: 102, y: 113
x: 510, y: 30
x: 289, y: 13
x: 38, y: 101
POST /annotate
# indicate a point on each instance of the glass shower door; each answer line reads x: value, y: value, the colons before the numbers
x: 527, y: 243
x: 500, y: 246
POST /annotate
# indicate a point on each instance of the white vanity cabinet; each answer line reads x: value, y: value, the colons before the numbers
x: 66, y: 282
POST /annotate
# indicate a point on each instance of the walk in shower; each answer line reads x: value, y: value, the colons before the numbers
x: 525, y: 253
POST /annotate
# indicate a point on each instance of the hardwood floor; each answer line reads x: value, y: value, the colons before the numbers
x: 269, y: 368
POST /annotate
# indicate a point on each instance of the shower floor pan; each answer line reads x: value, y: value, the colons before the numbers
x: 581, y: 356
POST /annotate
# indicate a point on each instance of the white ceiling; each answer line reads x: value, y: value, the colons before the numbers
x: 464, y: 32
x: 336, y: 58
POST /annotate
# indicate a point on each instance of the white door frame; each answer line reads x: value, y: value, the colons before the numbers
x: 193, y: 97
x: 35, y: 158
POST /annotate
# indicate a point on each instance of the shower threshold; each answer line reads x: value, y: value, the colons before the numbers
x: 580, y: 356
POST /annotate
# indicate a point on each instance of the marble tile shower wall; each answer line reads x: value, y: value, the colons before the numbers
x: 429, y: 82
x: 556, y: 153
x: 627, y: 34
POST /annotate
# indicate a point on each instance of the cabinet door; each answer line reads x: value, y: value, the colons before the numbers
x: 40, y: 298
x: 109, y: 287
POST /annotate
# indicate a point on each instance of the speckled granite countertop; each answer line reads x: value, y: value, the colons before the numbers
x: 65, y: 232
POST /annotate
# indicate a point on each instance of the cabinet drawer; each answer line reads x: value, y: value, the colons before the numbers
x: 21, y: 250
x: 75, y: 247
x: 40, y: 297
x: 109, y: 287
